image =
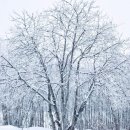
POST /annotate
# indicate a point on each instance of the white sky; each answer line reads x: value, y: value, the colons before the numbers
x: 118, y: 10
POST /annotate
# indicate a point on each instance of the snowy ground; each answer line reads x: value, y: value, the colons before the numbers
x: 9, y: 127
x: 31, y: 128
x: 15, y: 128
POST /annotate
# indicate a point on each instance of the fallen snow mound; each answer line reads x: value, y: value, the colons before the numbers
x: 9, y: 127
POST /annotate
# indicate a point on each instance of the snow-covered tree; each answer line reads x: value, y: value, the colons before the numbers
x: 66, y: 57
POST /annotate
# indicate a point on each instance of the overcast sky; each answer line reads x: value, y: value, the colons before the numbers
x: 118, y: 10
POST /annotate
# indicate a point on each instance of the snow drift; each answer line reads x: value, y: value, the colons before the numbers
x: 15, y: 128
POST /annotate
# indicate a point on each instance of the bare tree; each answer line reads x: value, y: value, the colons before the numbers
x: 63, y: 56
